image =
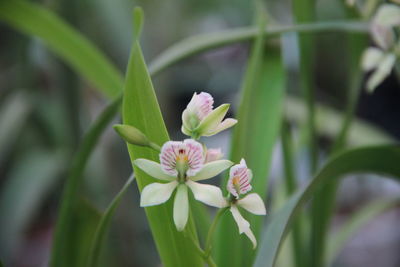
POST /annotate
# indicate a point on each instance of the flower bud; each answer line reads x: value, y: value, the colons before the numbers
x: 131, y: 135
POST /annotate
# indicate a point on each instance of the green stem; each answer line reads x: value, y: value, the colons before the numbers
x: 212, y: 230
x: 155, y: 146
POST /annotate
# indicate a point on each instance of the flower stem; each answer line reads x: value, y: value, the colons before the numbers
x: 211, y: 232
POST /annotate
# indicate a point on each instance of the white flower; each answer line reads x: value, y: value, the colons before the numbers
x: 383, y: 58
x: 182, y: 165
x: 213, y: 154
x: 200, y: 119
x: 239, y: 184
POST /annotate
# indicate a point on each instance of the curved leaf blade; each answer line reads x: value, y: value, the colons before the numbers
x: 377, y: 159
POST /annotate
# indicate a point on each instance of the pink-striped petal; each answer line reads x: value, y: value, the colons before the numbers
x: 201, y: 105
x: 239, y: 179
x: 189, y: 152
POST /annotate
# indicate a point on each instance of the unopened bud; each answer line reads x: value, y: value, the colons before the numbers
x: 131, y: 135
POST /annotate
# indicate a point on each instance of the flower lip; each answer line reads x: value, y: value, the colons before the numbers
x: 182, y: 158
x: 239, y: 179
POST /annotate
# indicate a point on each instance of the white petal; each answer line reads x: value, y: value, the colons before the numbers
x: 153, y: 169
x: 156, y: 193
x: 387, y: 15
x: 383, y: 70
x: 383, y: 36
x: 371, y: 58
x: 243, y: 225
x: 208, y: 194
x: 212, y: 120
x: 227, y: 123
x: 241, y: 222
x: 212, y: 169
x: 253, y: 203
x: 251, y: 236
x: 181, y: 207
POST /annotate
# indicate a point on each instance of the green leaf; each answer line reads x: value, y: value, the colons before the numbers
x: 259, y: 117
x: 63, y: 40
x: 104, y: 224
x: 65, y: 223
x: 141, y: 110
x: 338, y: 239
x: 376, y: 159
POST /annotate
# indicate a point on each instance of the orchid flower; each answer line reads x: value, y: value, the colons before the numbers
x: 239, y: 184
x: 200, y: 119
x: 381, y: 59
x: 181, y: 165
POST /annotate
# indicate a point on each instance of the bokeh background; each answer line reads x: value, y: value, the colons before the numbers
x: 45, y: 108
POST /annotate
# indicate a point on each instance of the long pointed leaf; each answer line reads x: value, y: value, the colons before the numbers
x: 141, y: 109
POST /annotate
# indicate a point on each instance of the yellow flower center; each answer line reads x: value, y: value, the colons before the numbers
x: 236, y: 183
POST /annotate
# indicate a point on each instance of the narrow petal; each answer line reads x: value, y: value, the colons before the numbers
x: 241, y: 222
x: 383, y: 70
x: 156, y: 193
x: 251, y: 236
x: 227, y: 123
x: 208, y: 194
x: 253, y: 203
x: 181, y: 207
x: 211, y: 169
x: 371, y: 58
x: 243, y: 225
x: 212, y: 120
x: 153, y: 169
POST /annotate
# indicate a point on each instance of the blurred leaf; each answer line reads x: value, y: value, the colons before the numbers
x: 376, y: 159
x: 13, y: 115
x: 254, y: 137
x: 104, y: 224
x: 141, y: 110
x: 28, y: 184
x: 338, y: 239
x: 66, y: 42
x: 65, y: 224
